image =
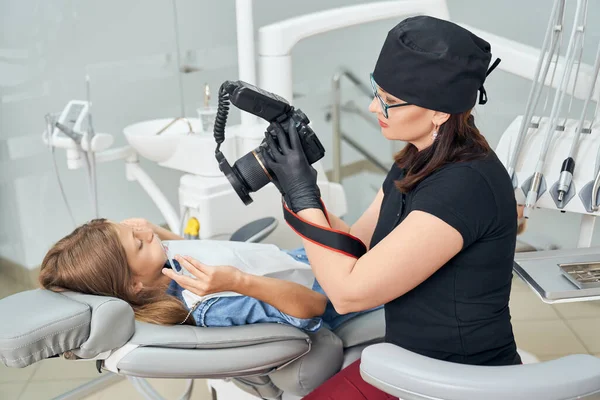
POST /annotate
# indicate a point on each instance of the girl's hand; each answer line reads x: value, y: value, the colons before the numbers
x: 145, y: 225
x: 140, y: 224
x: 209, y: 279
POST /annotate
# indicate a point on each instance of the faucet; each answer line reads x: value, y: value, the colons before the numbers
x: 175, y: 120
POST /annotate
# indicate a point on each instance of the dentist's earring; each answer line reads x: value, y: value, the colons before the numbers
x: 435, y: 132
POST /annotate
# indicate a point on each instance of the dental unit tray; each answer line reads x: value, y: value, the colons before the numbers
x: 553, y: 274
x: 582, y: 275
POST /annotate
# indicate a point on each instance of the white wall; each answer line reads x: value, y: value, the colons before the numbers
x: 129, y: 49
x: 47, y: 49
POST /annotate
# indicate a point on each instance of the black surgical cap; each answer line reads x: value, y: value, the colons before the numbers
x: 434, y: 64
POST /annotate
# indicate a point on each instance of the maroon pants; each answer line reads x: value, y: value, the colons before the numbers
x: 348, y: 385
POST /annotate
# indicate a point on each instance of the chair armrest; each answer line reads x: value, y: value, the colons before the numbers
x: 408, y: 375
x: 255, y: 231
x: 192, y: 337
x: 195, y: 352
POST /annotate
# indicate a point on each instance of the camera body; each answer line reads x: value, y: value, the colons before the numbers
x: 250, y: 173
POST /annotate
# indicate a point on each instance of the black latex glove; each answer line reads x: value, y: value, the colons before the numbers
x: 296, y: 178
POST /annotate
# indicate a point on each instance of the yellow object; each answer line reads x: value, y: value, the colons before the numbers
x: 193, y: 227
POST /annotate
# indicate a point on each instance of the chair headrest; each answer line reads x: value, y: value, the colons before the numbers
x: 39, y: 324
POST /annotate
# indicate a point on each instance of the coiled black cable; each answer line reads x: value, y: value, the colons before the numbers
x: 222, y: 113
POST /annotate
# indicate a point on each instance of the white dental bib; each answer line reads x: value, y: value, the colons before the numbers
x: 253, y: 258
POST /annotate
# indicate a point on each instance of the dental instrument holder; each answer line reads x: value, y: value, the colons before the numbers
x: 566, y: 196
x: 579, y: 194
x: 75, y: 136
x: 574, y: 143
x: 68, y: 133
x: 529, y: 182
x: 554, y: 114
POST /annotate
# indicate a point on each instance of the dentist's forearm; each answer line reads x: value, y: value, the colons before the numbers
x: 330, y: 268
x: 288, y: 297
x: 338, y: 224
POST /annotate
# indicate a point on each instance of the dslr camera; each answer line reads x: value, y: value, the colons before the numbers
x: 250, y: 173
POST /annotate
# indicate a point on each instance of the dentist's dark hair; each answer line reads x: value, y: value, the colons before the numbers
x: 92, y: 260
x: 458, y: 140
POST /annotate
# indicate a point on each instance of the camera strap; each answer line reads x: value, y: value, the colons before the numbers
x: 332, y: 239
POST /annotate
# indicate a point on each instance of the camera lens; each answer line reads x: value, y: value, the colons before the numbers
x: 252, y: 168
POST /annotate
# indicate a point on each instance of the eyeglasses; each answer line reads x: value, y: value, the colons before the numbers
x: 383, y: 104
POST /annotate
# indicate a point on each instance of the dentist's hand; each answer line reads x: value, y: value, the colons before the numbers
x: 208, y: 280
x: 297, y: 179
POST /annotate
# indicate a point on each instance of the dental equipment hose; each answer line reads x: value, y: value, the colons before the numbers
x: 49, y: 129
x: 77, y: 137
x: 566, y: 173
x: 581, y: 46
x: 532, y: 195
x: 596, y: 186
x: 549, y: 89
x: 91, y: 155
x: 552, y: 35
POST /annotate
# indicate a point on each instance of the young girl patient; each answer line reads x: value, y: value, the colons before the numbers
x: 127, y: 260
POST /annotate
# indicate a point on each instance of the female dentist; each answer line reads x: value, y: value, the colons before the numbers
x: 441, y: 232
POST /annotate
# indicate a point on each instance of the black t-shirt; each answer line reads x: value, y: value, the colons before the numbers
x: 460, y: 313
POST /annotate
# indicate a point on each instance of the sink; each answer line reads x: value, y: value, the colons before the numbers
x: 194, y: 152
x: 142, y: 136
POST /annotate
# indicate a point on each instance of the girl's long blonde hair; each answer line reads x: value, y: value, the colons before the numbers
x: 92, y: 260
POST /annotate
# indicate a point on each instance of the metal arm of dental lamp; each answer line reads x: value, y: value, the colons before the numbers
x: 277, y: 40
x: 134, y: 171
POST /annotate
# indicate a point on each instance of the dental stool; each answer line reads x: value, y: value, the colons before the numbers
x: 411, y: 376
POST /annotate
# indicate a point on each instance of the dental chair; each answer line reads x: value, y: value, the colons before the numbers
x: 267, y: 361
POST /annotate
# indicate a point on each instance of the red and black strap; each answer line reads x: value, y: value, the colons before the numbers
x: 332, y: 239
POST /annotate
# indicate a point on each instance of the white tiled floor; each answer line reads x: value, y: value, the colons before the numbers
x: 168, y: 388
x: 588, y: 309
x: 543, y: 338
x: 50, y: 378
x: 44, y: 390
x: 587, y: 330
x: 547, y: 331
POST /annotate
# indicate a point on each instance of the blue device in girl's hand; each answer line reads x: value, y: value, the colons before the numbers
x: 173, y: 264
